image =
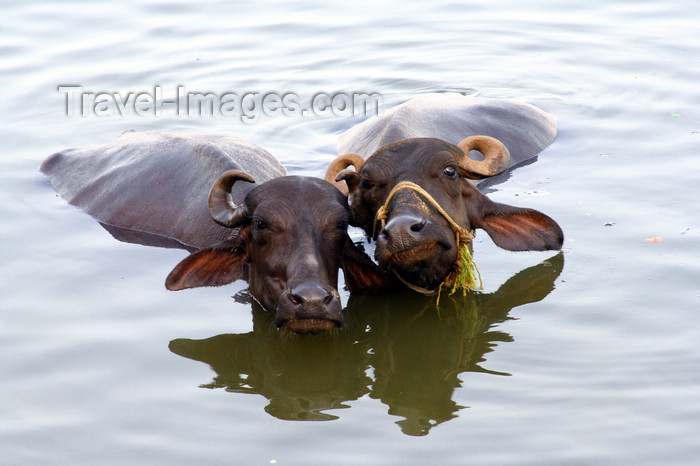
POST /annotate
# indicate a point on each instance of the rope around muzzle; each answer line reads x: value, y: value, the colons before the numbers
x: 464, y: 271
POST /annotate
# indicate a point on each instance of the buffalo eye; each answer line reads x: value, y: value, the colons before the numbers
x: 342, y: 225
x: 259, y: 225
x: 367, y: 184
x: 450, y: 171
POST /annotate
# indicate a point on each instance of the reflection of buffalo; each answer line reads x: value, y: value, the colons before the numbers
x: 301, y: 376
x: 416, y: 353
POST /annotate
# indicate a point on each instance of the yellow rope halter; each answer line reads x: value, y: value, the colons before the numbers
x: 464, y: 270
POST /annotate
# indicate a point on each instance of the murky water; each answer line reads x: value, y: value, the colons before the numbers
x: 590, y: 356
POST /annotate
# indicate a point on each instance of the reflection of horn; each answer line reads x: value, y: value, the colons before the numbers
x: 341, y: 163
x: 221, y: 206
x: 496, y: 157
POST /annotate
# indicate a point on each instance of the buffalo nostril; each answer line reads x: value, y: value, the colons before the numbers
x: 295, y: 299
x: 403, y: 227
x: 418, y: 226
x: 310, y: 295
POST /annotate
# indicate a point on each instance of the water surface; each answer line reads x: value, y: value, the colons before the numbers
x: 590, y: 356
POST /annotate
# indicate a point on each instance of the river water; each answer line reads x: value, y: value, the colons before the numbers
x: 591, y: 356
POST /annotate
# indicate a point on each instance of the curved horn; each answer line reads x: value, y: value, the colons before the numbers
x: 341, y: 163
x: 221, y: 206
x: 496, y: 157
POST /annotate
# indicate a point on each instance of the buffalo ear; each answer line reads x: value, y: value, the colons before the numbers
x: 351, y: 178
x: 214, y: 266
x: 362, y: 276
x: 518, y: 229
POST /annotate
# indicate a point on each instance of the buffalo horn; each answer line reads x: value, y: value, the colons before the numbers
x: 496, y: 157
x: 221, y: 206
x: 341, y: 163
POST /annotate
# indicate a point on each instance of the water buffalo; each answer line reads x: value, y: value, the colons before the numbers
x: 414, y: 181
x: 288, y: 233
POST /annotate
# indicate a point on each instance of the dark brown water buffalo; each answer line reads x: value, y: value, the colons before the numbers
x: 414, y: 181
x: 288, y: 233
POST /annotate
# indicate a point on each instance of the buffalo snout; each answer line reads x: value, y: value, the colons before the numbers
x: 417, y: 248
x: 404, y: 230
x: 309, y: 309
x: 408, y: 236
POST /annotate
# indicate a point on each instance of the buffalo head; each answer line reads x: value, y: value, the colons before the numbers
x: 417, y: 241
x: 290, y: 236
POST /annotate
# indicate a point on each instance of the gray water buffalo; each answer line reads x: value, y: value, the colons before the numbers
x: 411, y: 193
x: 229, y: 200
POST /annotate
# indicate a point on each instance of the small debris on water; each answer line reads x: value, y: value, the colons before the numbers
x: 685, y: 231
x: 654, y: 239
x: 609, y: 224
x: 537, y: 193
x: 675, y: 114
